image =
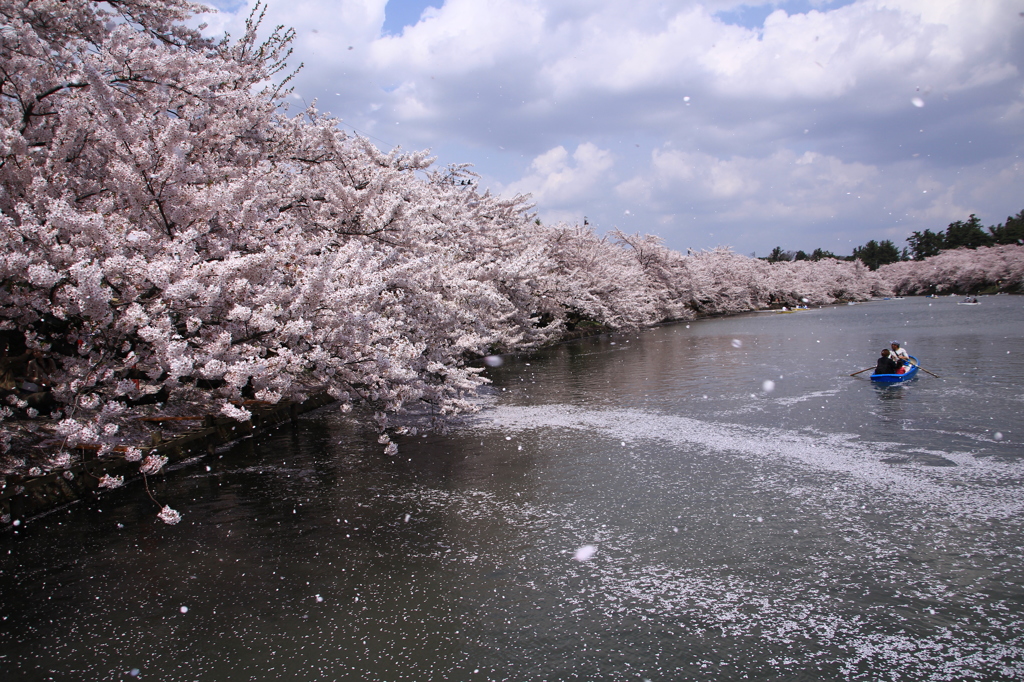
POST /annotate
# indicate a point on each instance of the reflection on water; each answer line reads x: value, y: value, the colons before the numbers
x: 888, y: 392
x: 827, y: 529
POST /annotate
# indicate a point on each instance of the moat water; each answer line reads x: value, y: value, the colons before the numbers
x: 716, y: 500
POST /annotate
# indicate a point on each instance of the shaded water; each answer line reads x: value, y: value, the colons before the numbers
x: 825, y: 529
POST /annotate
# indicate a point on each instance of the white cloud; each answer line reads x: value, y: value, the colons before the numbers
x: 798, y: 200
x: 746, y: 188
x: 461, y: 37
x: 783, y: 117
x: 557, y: 180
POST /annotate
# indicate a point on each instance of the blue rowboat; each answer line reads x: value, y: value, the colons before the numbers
x: 896, y: 378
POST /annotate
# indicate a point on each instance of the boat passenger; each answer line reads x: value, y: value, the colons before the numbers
x: 898, y: 353
x: 885, y: 364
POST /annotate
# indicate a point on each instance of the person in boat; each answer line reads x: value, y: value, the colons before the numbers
x: 900, y: 356
x: 897, y: 353
x: 885, y: 365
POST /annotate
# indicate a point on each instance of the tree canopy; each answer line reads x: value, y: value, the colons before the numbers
x: 875, y: 254
x: 174, y: 238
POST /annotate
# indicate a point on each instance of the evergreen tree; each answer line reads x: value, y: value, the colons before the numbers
x: 969, y: 234
x: 1010, y: 233
x: 873, y: 254
x: 925, y: 244
x: 820, y: 254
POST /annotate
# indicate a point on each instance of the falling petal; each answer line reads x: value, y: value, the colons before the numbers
x: 768, y: 386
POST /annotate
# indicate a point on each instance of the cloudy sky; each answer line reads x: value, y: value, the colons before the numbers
x: 798, y: 123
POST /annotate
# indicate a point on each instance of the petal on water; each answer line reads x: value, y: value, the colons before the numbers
x: 585, y: 553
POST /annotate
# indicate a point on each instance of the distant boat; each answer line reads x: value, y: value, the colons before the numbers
x: 896, y: 378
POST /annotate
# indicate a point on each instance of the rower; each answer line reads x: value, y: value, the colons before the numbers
x: 898, y: 353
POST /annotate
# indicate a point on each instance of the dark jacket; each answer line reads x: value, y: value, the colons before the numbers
x: 885, y: 366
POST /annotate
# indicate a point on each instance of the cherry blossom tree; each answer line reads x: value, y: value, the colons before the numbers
x: 170, y: 235
x: 720, y: 281
x: 959, y: 270
x: 174, y: 238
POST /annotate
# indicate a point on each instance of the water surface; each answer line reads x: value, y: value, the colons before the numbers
x: 827, y: 528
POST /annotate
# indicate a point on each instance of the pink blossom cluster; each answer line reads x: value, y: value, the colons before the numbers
x: 170, y: 233
x: 169, y: 516
x: 959, y: 271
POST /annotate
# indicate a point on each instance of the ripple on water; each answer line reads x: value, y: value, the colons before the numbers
x: 892, y: 554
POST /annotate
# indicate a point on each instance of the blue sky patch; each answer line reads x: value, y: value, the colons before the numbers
x: 753, y: 16
x: 401, y: 13
x: 230, y: 6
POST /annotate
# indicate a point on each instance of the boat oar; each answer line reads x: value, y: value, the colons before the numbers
x: 862, y: 371
x: 915, y: 364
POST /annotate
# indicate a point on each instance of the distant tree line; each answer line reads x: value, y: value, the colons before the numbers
x: 966, y: 234
x: 960, y: 234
